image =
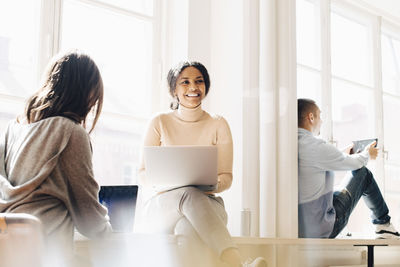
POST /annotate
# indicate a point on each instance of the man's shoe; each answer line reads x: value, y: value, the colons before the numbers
x: 386, y: 231
x: 258, y: 262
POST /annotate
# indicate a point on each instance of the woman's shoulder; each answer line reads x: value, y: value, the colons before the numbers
x: 63, y: 122
x: 219, y: 122
x: 71, y: 132
x: 64, y: 127
x: 219, y: 119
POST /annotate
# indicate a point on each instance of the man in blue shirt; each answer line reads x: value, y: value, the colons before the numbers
x: 324, y: 213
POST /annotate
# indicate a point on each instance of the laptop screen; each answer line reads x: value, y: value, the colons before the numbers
x: 120, y: 201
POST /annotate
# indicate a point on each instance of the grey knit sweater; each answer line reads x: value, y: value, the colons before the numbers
x: 46, y: 170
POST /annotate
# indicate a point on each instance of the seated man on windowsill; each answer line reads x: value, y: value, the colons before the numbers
x: 324, y: 213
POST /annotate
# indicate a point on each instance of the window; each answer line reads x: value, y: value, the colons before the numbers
x: 391, y: 103
x: 18, y: 55
x: 121, y: 45
x: 122, y: 38
x: 308, y: 50
x: 390, y: 64
x: 351, y: 92
x: 351, y: 49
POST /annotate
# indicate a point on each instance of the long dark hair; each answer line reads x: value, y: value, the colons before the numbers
x: 174, y: 73
x: 72, y: 87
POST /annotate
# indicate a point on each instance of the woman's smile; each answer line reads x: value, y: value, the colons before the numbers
x: 190, y: 88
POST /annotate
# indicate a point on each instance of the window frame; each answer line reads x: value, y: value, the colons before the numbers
x: 49, y: 40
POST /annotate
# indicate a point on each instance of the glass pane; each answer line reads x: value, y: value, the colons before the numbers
x: 19, y: 32
x: 115, y: 153
x: 390, y: 65
x: 308, y: 85
x: 392, y: 191
x: 353, y: 119
x: 308, y: 33
x: 140, y: 6
x: 124, y: 56
x: 359, y: 225
x: 352, y: 114
x: 122, y: 47
x: 351, y: 50
x: 391, y: 128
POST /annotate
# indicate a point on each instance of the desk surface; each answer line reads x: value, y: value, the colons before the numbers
x: 241, y: 240
x: 314, y: 241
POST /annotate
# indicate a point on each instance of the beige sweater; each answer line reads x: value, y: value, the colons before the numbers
x: 46, y: 170
x: 193, y: 127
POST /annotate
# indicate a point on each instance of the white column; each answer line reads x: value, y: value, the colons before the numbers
x: 278, y: 126
x: 268, y: 119
x: 287, y: 188
x: 278, y: 109
x: 251, y: 114
x: 226, y: 92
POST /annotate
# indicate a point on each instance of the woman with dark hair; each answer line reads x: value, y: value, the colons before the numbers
x: 46, y: 155
x: 188, y: 210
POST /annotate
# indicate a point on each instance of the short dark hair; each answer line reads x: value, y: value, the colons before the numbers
x: 174, y: 73
x: 72, y: 87
x: 304, y: 107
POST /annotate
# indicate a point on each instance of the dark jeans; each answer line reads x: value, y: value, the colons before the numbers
x: 358, y: 183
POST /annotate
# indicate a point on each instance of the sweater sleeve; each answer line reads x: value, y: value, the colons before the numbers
x: 152, y: 137
x: 88, y: 215
x: 225, y: 155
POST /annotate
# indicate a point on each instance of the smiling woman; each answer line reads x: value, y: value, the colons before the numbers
x: 189, y: 84
x: 190, y: 89
x: 189, y: 211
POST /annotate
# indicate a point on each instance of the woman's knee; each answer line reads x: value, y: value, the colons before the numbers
x: 192, y: 192
x: 184, y: 227
x: 191, y: 196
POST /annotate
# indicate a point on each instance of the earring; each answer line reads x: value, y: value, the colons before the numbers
x: 175, y: 103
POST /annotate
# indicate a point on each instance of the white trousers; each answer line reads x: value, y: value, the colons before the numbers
x: 186, y: 211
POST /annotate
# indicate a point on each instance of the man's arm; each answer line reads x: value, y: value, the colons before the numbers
x: 330, y: 158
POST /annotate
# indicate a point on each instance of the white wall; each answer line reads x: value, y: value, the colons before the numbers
x: 225, y: 98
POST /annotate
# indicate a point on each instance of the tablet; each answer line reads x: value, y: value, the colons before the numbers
x: 359, y: 145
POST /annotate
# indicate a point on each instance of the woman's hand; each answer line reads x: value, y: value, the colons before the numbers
x: 215, y: 190
x: 224, y: 183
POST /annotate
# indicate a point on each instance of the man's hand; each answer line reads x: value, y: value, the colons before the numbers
x: 348, y: 148
x: 372, y: 150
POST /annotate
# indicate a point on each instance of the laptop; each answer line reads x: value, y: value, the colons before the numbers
x: 170, y: 167
x: 120, y: 201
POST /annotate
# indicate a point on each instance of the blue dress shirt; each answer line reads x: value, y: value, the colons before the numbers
x: 317, y: 161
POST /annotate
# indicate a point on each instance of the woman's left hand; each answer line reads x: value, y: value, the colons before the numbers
x: 215, y: 190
